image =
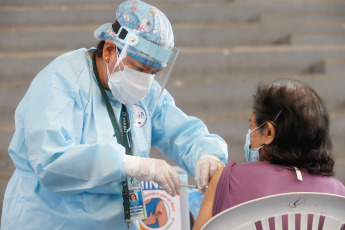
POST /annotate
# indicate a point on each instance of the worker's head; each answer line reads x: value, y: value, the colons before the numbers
x: 144, y: 28
x: 138, y: 50
x: 292, y: 126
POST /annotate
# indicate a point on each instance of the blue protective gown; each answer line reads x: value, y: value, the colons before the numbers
x: 69, y: 166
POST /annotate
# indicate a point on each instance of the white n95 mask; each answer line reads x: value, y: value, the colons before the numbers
x: 129, y: 86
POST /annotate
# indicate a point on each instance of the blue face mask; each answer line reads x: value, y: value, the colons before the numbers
x: 252, y: 154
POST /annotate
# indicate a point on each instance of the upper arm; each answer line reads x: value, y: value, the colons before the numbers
x: 205, y: 212
x: 162, y: 217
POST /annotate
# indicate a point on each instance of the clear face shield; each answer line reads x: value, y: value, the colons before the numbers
x: 145, y: 59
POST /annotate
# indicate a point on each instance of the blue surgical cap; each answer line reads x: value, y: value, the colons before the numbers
x: 148, y: 22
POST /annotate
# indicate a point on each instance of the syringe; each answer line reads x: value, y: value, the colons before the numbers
x: 188, y: 186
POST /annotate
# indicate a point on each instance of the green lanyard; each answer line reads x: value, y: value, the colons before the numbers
x: 121, y: 139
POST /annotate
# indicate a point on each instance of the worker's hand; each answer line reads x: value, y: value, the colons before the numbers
x: 205, y: 168
x: 148, y: 169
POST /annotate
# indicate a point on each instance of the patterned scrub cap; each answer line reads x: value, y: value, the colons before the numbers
x: 147, y: 21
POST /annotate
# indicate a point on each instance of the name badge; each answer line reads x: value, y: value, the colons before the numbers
x: 140, y: 116
x: 137, y: 203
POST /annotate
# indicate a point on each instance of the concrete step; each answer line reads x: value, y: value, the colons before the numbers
x: 302, y: 17
x: 152, y: 2
x: 199, y: 12
x: 205, y: 61
x: 329, y: 65
x: 193, y: 34
x: 317, y: 39
x: 67, y: 2
x: 288, y: 1
x: 220, y: 96
x: 233, y: 93
x: 200, y: 61
x: 334, y: 66
x: 339, y: 169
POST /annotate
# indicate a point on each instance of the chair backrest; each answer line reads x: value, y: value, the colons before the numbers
x: 329, y: 207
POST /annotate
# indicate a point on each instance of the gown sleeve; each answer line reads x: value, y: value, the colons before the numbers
x: 183, y: 138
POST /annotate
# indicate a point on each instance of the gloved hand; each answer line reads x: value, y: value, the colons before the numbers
x: 205, y: 168
x: 146, y: 169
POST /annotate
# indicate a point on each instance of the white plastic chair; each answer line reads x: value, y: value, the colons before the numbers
x: 244, y: 216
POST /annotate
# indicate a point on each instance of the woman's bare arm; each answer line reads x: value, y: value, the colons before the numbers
x: 205, y: 212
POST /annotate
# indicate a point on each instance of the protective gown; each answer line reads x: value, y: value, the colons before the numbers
x: 69, y: 166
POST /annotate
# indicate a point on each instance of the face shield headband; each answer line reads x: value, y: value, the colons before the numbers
x: 151, y: 53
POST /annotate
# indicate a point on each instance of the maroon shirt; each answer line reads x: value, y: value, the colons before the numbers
x: 239, y: 183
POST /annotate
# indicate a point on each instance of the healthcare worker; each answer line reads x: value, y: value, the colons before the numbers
x: 86, y: 125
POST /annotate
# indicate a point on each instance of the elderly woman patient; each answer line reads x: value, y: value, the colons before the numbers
x: 288, y: 149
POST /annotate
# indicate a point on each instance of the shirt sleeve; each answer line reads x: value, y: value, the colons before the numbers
x: 183, y: 138
x: 53, y: 124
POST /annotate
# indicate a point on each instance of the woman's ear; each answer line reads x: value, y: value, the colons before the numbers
x: 108, y: 49
x: 270, y: 133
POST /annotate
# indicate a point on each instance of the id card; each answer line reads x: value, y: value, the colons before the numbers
x: 136, y: 203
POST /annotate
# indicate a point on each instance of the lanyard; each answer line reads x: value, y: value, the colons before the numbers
x: 121, y: 139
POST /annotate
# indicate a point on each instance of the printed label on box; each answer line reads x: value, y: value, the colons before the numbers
x: 163, y: 210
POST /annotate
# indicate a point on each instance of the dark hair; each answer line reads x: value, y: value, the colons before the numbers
x: 99, y: 50
x: 100, y: 47
x: 302, y: 128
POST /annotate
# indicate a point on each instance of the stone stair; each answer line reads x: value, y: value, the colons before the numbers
x: 227, y: 47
